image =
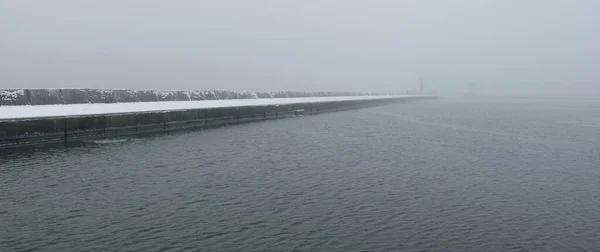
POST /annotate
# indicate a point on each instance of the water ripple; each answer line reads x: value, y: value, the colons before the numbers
x: 430, y: 176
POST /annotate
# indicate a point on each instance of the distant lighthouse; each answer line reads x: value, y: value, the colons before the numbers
x: 421, y: 84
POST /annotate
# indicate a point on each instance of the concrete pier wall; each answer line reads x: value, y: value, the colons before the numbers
x: 10, y: 97
x: 15, y: 133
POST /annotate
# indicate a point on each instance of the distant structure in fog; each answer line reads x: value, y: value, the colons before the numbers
x: 421, y: 90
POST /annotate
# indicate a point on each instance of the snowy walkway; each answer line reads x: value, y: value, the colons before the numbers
x: 45, y: 111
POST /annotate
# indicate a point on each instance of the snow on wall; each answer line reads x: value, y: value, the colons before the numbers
x: 11, y: 95
x: 22, y: 112
x: 84, y: 96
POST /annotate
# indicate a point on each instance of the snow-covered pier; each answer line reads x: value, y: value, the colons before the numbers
x: 25, y: 125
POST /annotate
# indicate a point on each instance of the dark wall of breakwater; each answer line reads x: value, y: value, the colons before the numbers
x: 15, y: 133
x: 80, y: 96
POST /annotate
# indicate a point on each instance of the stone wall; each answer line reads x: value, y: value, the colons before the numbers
x: 79, y: 96
x: 23, y: 133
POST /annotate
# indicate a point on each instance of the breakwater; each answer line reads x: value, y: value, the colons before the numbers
x: 63, y: 129
x: 16, y: 97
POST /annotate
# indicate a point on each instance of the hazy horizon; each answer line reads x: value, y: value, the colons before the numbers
x: 504, y: 47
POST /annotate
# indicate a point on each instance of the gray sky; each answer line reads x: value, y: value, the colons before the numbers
x: 509, y: 46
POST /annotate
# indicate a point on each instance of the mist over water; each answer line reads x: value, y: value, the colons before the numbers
x: 447, y: 175
x: 483, y: 46
x: 482, y: 173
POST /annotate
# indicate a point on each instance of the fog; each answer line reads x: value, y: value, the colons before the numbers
x: 505, y: 47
